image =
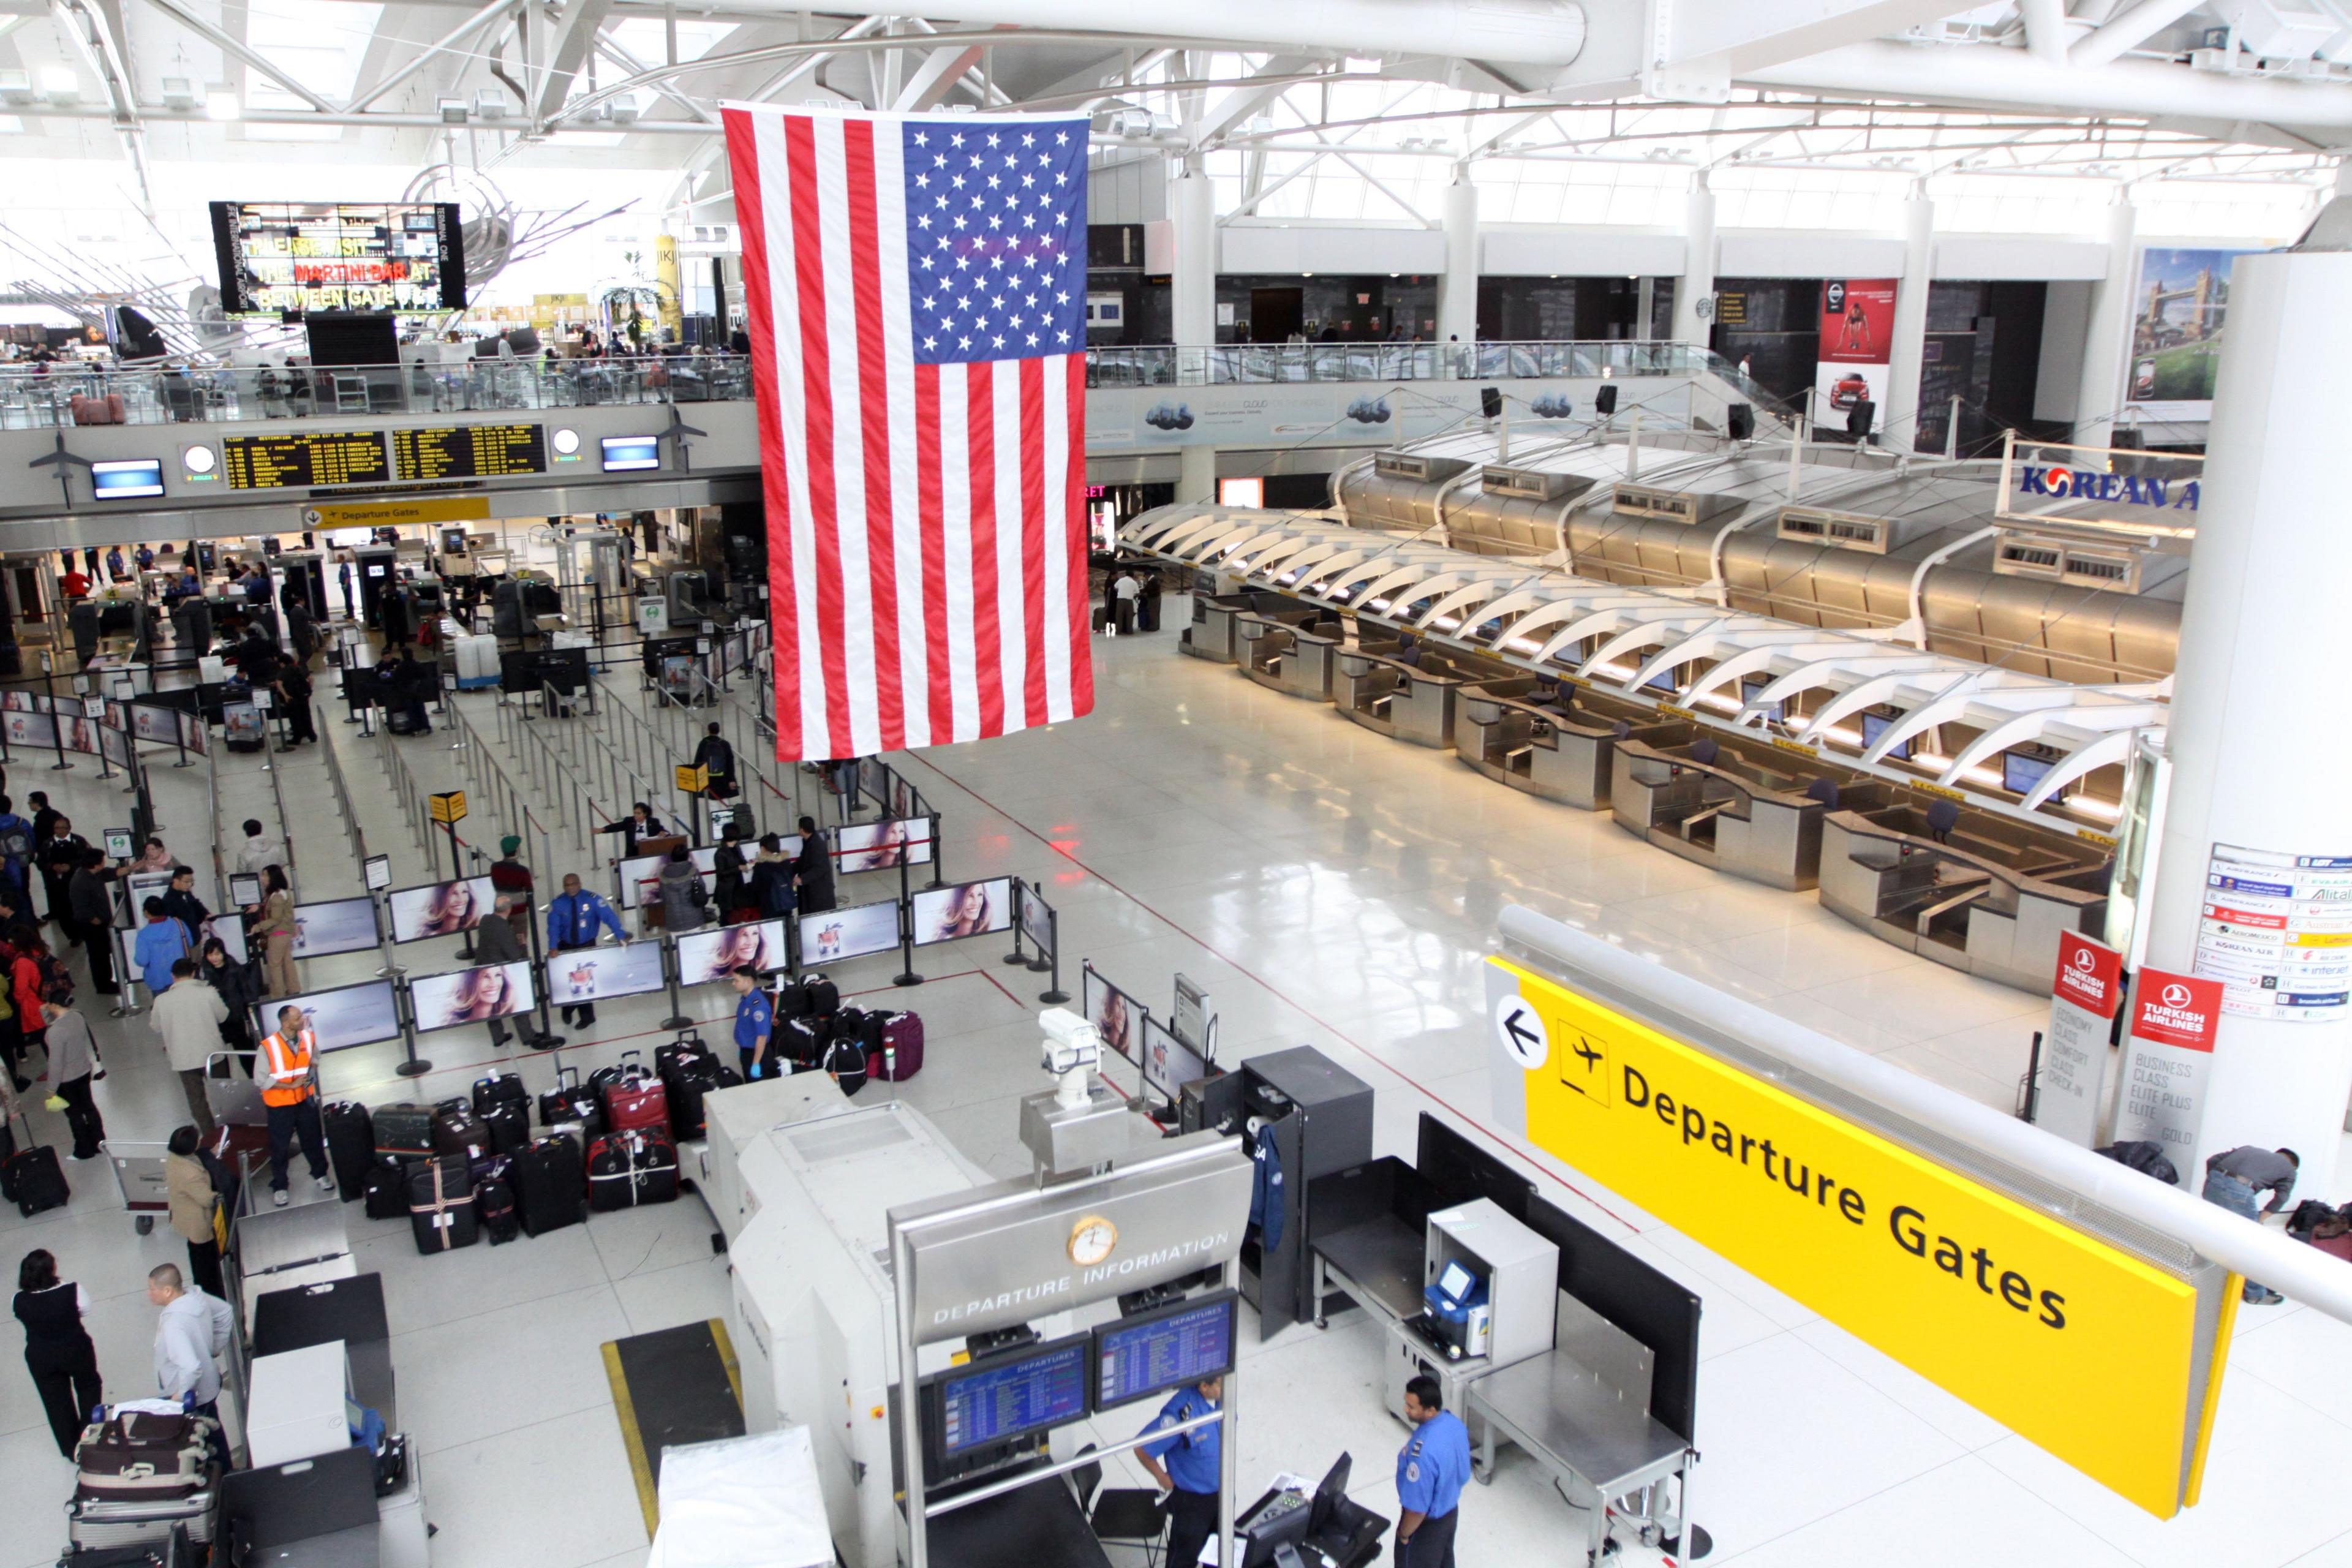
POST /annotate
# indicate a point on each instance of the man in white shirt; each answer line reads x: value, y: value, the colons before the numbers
x: 1124, y: 591
x: 189, y: 1017
x: 190, y: 1336
x: 260, y: 850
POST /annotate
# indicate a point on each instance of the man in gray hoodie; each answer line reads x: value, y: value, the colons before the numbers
x: 192, y: 1333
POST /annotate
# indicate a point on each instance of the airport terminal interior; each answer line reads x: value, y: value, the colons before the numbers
x: 1438, y: 782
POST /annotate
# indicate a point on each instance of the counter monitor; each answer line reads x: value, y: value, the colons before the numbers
x: 1874, y: 725
x: 471, y: 452
x: 1009, y: 1396
x: 1172, y: 1347
x: 2021, y: 773
x: 297, y: 459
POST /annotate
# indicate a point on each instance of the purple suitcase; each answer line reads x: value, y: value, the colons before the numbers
x: 899, y: 1056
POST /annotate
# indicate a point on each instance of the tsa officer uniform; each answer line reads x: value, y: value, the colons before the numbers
x: 1194, y: 1462
x: 754, y: 1017
x: 1432, y: 1469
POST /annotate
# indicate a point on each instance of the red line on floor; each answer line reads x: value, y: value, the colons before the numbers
x: 1269, y: 987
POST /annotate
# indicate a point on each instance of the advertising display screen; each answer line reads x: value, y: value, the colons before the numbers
x: 30, y: 729
x: 470, y: 452
x: 326, y: 458
x: 598, y: 973
x: 346, y: 1016
x: 1116, y: 1016
x: 1857, y: 343
x: 470, y: 995
x: 440, y: 909
x: 192, y: 732
x: 880, y: 845
x: 639, y: 871
x: 943, y: 914
x: 2181, y: 299
x: 625, y: 454
x: 152, y: 723
x: 704, y: 956
x: 338, y: 925
x: 1174, y: 1347
x: 1168, y: 1063
x: 131, y: 479
x: 849, y: 933
x: 1036, y: 919
x: 299, y: 256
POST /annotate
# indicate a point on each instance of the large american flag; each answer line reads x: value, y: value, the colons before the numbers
x: 916, y: 285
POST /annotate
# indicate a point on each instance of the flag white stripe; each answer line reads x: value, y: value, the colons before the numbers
x: 1055, y: 437
x: 913, y: 673
x: 791, y: 416
x: 1012, y: 582
x: 849, y: 478
x: 955, y: 554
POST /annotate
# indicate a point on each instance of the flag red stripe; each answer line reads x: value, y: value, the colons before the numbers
x: 784, y: 612
x: 874, y: 413
x: 933, y: 522
x: 816, y: 380
x: 988, y: 655
x: 1032, y: 535
x: 1082, y: 663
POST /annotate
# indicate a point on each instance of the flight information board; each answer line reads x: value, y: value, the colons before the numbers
x: 270, y: 462
x: 1188, y: 1344
x: 298, y: 257
x: 1024, y: 1394
x: 470, y: 452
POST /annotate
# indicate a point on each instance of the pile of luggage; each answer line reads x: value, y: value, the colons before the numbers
x: 815, y: 1033
x: 143, y: 1471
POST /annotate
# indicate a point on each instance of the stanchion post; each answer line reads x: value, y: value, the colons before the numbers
x: 56, y: 730
x: 538, y: 961
x: 905, y: 932
x: 1055, y: 996
x: 1020, y: 898
x: 413, y: 1065
x: 677, y: 1018
x: 938, y: 851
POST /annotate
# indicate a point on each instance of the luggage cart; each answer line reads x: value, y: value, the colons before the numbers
x: 139, y: 1172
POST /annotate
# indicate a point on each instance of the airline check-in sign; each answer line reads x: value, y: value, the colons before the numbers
x: 2067, y: 1341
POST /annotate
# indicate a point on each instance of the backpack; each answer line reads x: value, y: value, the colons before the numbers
x: 16, y: 838
x: 57, y: 981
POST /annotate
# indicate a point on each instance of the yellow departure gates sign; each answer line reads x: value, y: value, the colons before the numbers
x: 693, y: 780
x: 2066, y: 1341
x: 448, y: 807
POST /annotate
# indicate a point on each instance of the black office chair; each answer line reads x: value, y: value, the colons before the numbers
x: 1943, y: 815
x: 1621, y: 729
x: 1120, y: 1515
x: 1703, y: 750
x: 1824, y: 790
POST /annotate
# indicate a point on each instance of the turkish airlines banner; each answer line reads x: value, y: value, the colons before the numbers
x: 1857, y: 343
x: 2084, y: 996
x: 2168, y: 1061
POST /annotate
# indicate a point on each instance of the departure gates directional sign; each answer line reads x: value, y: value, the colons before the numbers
x: 2067, y: 1341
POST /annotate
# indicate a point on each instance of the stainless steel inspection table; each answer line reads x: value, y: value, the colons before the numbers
x: 1596, y: 1445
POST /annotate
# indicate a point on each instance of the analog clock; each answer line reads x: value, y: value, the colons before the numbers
x: 1092, y: 1239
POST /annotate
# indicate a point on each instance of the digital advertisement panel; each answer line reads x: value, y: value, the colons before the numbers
x: 2180, y: 299
x: 943, y: 914
x: 1857, y: 344
x: 470, y: 995
x: 1115, y: 1017
x: 338, y: 925
x: 881, y: 845
x: 704, y: 956
x: 597, y: 973
x: 637, y: 872
x: 850, y: 932
x: 440, y: 909
x: 349, y: 1015
x: 2069, y: 1341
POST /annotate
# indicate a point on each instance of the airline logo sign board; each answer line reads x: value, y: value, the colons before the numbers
x: 2168, y: 1061
x: 2067, y: 1341
x: 2084, y: 998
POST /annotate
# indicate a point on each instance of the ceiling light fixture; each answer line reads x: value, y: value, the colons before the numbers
x: 453, y: 110
x: 223, y: 106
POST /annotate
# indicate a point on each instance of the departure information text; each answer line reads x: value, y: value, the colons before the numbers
x: 470, y: 452
x: 271, y: 462
x: 1034, y: 1391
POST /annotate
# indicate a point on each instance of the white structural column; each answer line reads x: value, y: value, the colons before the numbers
x: 1899, y: 421
x: 1196, y: 474
x: 1193, y: 283
x: 2107, y: 342
x: 2257, y: 764
x: 1457, y: 290
x: 1698, y: 282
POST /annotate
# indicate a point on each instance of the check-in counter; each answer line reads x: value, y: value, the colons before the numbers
x: 1976, y: 891
x: 1216, y: 620
x: 1553, y: 742
x: 1734, y: 804
x: 1410, y: 694
x: 1291, y: 650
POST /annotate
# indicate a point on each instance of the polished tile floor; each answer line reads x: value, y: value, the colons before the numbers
x: 1330, y: 888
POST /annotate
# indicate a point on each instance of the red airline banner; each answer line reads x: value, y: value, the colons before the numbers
x: 2090, y: 975
x: 2177, y: 1010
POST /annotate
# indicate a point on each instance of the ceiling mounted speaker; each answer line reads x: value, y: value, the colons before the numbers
x: 1490, y: 402
x: 1740, y: 421
x: 1604, y: 399
x: 1859, y: 418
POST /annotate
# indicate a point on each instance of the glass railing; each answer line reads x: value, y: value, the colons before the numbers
x: 74, y: 395
x: 1269, y: 363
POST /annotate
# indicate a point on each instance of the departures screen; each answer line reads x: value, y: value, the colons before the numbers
x: 1024, y: 1394
x: 1189, y: 1344
x: 470, y: 452
x: 337, y: 458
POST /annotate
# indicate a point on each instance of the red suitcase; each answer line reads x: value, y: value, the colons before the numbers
x: 899, y: 1054
x: 638, y: 1102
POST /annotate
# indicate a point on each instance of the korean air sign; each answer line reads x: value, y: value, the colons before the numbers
x: 2132, y: 489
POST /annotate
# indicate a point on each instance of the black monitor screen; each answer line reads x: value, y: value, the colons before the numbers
x: 1874, y: 725
x: 1173, y: 1348
x: 1018, y: 1394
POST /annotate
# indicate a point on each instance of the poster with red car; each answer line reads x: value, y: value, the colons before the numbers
x: 1857, y: 337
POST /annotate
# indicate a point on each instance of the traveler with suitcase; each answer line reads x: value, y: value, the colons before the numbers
x: 192, y: 1333
x: 755, y: 1025
x: 289, y: 1094
x: 58, y: 1351
x: 73, y: 1058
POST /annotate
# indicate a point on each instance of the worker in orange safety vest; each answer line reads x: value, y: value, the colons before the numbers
x: 289, y: 1094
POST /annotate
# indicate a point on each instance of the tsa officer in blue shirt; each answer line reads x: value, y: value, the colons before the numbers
x: 573, y: 919
x: 755, y: 1023
x: 1432, y: 1469
x: 1189, y: 1467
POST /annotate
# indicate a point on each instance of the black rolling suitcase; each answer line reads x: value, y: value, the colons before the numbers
x: 508, y: 1121
x: 457, y: 1131
x: 351, y: 1147
x: 626, y: 1169
x: 494, y: 1210
x: 550, y: 1184
x: 441, y: 1205
x: 384, y: 1190
x: 402, y: 1129
x: 36, y: 1180
x: 501, y: 1089
x: 572, y: 1102
x: 688, y: 1086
